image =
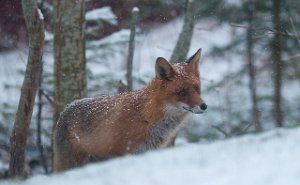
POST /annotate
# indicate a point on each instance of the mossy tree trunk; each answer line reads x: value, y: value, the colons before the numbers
x: 69, y: 51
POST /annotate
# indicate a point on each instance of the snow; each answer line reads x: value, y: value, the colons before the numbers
x: 48, y: 36
x: 233, y: 2
x: 106, y: 58
x: 11, y: 64
x: 3, y: 166
x: 114, y: 38
x: 270, y: 158
x: 135, y: 9
x: 104, y: 13
x: 107, y: 63
x: 41, y: 16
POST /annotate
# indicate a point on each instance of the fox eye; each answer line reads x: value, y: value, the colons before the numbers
x: 183, y: 93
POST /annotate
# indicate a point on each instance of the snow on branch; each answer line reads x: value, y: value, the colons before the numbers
x: 41, y: 16
x: 104, y: 13
x: 135, y: 9
x: 121, y: 36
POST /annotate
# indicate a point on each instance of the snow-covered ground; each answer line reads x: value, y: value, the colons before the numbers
x: 271, y: 158
x: 229, y: 105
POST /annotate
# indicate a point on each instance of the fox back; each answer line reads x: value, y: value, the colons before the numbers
x: 133, y: 122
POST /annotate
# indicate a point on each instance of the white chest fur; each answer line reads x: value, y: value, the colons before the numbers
x: 161, y: 134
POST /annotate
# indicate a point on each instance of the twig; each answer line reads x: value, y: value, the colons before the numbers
x: 266, y: 28
x: 291, y: 58
x: 203, y: 29
x: 220, y: 130
x: 38, y: 123
x: 164, y: 49
x: 295, y: 31
x: 47, y: 96
x: 207, y: 80
x: 246, y: 128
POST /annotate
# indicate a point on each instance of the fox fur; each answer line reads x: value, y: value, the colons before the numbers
x: 133, y: 122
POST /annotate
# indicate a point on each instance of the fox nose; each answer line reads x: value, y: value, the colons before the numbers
x: 203, y: 106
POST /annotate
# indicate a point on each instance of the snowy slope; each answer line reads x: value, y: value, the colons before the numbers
x: 271, y: 158
x: 224, y: 103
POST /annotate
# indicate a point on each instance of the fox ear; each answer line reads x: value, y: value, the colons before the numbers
x: 193, y: 61
x: 163, y: 69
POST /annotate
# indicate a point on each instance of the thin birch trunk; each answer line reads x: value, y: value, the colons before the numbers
x: 131, y: 44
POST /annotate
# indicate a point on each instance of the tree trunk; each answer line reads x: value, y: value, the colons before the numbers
x: 277, y: 63
x: 184, y: 40
x: 134, y: 18
x: 69, y: 53
x: 35, y: 27
x: 39, y: 125
x: 251, y: 69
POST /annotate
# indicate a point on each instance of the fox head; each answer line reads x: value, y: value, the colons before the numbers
x: 180, y: 85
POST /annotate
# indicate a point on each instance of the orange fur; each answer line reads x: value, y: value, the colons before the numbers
x: 133, y: 122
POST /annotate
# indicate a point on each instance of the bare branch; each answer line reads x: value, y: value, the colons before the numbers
x: 50, y: 100
x: 220, y: 130
x: 266, y: 29
x: 295, y: 31
x: 247, y: 128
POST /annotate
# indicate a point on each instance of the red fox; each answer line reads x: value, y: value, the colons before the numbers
x: 133, y: 122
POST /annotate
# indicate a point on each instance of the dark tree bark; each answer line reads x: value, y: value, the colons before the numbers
x: 69, y: 53
x: 131, y: 44
x: 277, y: 63
x: 184, y: 40
x: 39, y: 125
x: 35, y: 27
x: 251, y: 68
